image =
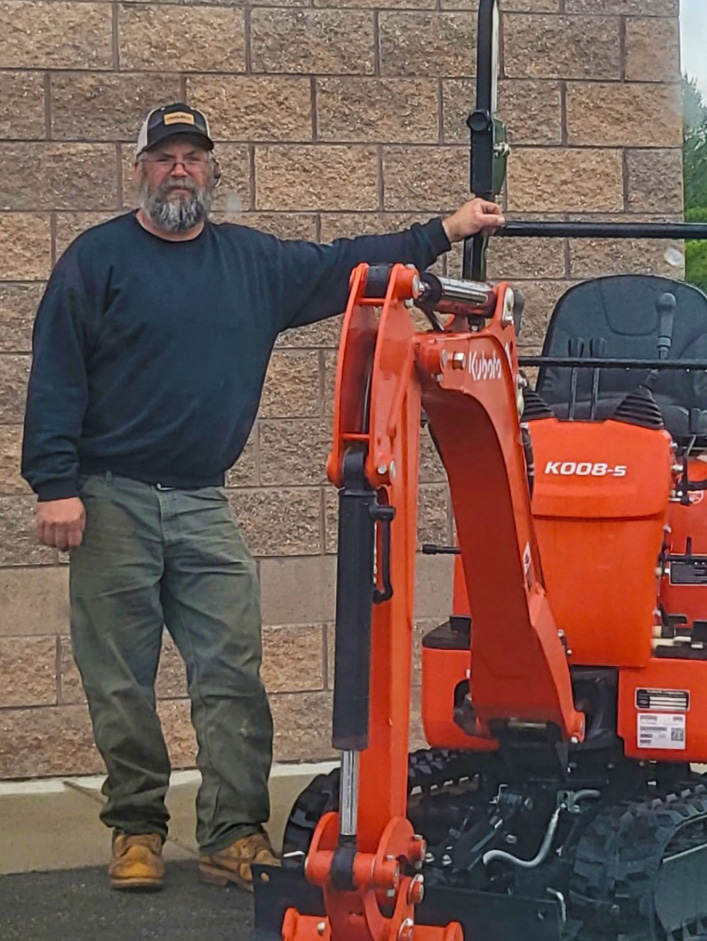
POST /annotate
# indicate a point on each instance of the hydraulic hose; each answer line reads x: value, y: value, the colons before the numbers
x: 539, y: 857
x: 542, y: 853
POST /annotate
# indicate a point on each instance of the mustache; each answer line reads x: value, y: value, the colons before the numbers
x: 171, y: 184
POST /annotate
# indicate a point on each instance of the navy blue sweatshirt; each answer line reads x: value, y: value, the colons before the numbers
x: 150, y: 355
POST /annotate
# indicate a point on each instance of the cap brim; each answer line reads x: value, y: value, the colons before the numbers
x: 162, y: 133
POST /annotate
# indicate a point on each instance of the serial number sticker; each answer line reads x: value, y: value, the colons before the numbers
x: 662, y: 700
x: 661, y: 730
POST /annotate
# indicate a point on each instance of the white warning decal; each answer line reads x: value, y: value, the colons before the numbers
x: 661, y: 730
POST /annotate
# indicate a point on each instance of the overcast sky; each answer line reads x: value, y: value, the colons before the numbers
x: 693, y: 24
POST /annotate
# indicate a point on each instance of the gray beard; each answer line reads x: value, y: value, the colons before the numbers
x: 178, y: 214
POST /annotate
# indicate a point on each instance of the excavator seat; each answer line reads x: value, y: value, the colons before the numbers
x: 621, y: 310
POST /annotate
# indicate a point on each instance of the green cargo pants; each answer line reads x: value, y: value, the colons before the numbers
x: 151, y: 558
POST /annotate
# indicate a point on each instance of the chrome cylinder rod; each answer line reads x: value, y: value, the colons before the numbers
x: 452, y: 296
x: 348, y: 793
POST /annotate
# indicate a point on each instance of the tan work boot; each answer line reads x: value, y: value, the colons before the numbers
x: 137, y: 861
x: 233, y: 864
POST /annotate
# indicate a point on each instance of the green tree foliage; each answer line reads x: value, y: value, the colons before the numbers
x: 695, y: 171
x: 696, y: 252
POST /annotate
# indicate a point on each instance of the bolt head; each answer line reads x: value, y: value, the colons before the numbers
x: 382, y: 468
x: 416, y: 890
x: 508, y: 303
x: 418, y: 849
x: 321, y: 928
x: 406, y: 930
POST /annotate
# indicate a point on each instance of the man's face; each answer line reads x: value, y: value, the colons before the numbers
x: 176, y: 180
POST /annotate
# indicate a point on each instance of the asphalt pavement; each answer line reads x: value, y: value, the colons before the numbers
x: 78, y: 905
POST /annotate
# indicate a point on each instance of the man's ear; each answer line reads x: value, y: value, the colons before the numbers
x: 217, y: 172
x: 136, y: 172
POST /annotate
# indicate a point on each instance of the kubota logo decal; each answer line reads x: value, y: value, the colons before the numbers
x: 484, y: 367
x: 584, y: 469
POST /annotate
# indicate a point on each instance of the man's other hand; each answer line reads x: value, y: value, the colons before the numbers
x: 60, y: 523
x: 476, y: 215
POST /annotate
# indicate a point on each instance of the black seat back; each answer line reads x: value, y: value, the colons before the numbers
x: 622, y: 310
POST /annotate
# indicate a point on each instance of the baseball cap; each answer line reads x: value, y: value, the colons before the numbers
x: 167, y: 120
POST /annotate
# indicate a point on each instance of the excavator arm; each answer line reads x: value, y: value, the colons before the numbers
x: 470, y: 387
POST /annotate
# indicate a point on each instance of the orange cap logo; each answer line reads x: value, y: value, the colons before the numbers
x: 179, y: 117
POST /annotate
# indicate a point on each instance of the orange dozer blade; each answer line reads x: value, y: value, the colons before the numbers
x: 482, y: 916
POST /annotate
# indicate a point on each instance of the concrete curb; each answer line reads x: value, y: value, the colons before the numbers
x: 53, y: 823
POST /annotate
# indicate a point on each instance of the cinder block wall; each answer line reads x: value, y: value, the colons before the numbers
x: 334, y: 117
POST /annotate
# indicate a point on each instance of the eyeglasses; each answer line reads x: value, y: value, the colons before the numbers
x: 164, y: 162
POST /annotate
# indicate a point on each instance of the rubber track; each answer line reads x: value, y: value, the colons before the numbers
x: 427, y: 768
x: 617, y: 864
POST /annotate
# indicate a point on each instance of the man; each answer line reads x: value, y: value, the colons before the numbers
x: 150, y: 350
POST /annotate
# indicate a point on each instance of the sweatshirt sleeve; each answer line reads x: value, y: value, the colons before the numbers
x: 58, y: 390
x: 316, y: 277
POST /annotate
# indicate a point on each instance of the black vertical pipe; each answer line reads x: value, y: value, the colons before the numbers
x: 481, y: 128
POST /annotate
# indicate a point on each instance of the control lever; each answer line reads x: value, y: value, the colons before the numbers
x: 597, y: 350
x: 576, y: 350
x: 665, y: 306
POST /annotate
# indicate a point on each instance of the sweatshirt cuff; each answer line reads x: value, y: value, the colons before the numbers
x: 437, y: 235
x: 57, y: 490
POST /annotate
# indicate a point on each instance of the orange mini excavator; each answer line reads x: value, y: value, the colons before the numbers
x: 565, y: 700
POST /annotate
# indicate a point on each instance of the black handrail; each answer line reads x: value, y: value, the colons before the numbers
x: 605, y: 230
x: 577, y: 362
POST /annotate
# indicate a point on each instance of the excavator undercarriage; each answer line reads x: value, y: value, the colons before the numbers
x: 633, y: 842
